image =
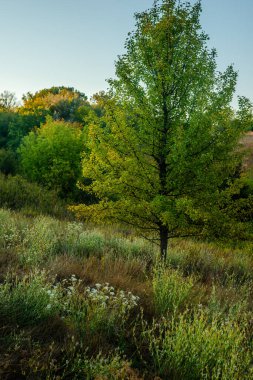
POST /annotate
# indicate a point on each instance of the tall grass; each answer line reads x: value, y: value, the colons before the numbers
x: 192, y: 348
x: 80, y: 301
x: 43, y: 237
x: 211, y: 262
x: 25, y: 302
x: 171, y: 289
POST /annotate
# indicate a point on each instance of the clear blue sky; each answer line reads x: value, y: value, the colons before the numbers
x: 75, y: 42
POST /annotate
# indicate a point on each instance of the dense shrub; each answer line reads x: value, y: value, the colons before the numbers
x: 8, y: 162
x: 51, y: 156
x: 18, y: 194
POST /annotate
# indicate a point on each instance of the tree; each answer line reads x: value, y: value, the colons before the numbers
x: 51, y: 156
x: 13, y: 127
x: 165, y: 148
x: 62, y: 103
x: 8, y: 101
x: 8, y: 162
x: 5, y: 119
x: 19, y: 127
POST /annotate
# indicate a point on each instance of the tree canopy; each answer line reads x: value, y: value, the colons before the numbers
x: 164, y: 150
x: 62, y: 103
x: 51, y: 155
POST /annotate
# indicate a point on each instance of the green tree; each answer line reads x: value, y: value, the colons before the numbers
x: 163, y: 151
x: 51, y: 156
x: 13, y: 127
x: 5, y: 119
x: 19, y: 127
x: 8, y: 161
x: 62, y: 103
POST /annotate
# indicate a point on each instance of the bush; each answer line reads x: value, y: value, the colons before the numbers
x: 193, y: 348
x: 51, y: 156
x: 18, y: 194
x: 8, y: 162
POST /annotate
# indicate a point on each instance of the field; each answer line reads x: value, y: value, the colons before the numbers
x: 78, y: 302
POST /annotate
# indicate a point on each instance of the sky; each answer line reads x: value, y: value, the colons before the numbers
x: 45, y: 43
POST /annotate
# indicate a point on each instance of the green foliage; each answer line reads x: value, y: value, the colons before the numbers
x: 61, y: 103
x: 5, y: 119
x: 193, y: 348
x: 165, y: 145
x: 14, y: 126
x: 51, y: 156
x: 19, y: 127
x: 25, y: 302
x: 246, y: 112
x: 8, y: 162
x: 18, y: 194
x: 171, y: 290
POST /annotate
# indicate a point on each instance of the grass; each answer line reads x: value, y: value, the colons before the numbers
x: 196, y: 347
x: 170, y: 290
x: 81, y: 302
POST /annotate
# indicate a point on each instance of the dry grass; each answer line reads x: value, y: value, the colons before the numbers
x: 128, y: 275
x: 8, y: 262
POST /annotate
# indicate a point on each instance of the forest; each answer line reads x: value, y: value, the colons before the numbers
x: 126, y: 220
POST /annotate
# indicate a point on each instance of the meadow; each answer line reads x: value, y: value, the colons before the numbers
x: 82, y: 302
x: 158, y: 155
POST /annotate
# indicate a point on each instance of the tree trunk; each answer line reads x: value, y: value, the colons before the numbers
x: 164, y: 237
